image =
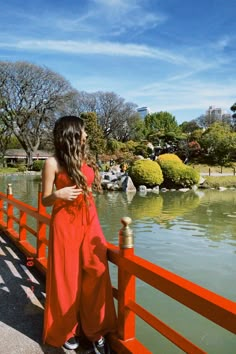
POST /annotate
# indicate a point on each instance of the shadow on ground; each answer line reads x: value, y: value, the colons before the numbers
x: 22, y: 297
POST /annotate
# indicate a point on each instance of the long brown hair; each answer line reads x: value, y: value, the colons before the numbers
x: 71, y: 152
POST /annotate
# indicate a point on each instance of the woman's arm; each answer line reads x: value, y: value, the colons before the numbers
x: 49, y: 195
x: 48, y: 177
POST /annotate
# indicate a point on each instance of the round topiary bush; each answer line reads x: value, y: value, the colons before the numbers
x: 168, y: 157
x: 145, y: 172
x: 178, y: 175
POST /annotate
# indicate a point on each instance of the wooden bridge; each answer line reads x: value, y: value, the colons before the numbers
x: 23, y: 270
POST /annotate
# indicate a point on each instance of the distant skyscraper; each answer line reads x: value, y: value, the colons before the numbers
x: 218, y: 113
x: 215, y: 112
x: 143, y: 111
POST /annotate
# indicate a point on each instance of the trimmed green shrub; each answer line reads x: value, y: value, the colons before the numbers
x: 142, y: 150
x: 168, y: 157
x: 37, y: 165
x: 145, y: 172
x: 21, y: 167
x: 178, y: 175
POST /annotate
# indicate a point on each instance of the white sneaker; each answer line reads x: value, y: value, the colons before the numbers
x: 71, y: 344
x: 101, y: 347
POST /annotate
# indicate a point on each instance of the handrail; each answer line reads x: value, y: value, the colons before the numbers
x: 212, y: 306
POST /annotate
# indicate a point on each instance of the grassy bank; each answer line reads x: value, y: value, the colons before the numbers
x: 8, y: 170
x: 203, y: 168
x: 221, y: 181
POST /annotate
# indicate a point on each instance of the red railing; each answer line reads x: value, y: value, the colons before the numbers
x: 210, y: 305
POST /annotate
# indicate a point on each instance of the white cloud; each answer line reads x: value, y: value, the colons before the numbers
x: 121, y: 16
x: 114, y: 3
x: 183, y: 95
x: 93, y: 47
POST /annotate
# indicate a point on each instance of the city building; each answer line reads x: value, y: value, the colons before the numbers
x: 143, y: 111
x: 218, y: 113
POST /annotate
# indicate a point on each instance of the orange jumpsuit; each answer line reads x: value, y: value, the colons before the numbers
x: 78, y: 286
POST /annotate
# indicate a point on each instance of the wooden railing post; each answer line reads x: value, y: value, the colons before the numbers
x: 22, y: 223
x: 41, y: 207
x: 41, y: 227
x: 126, y: 284
x: 1, y: 212
x: 9, y: 207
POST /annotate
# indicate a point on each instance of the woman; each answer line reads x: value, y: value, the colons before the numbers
x: 78, y: 288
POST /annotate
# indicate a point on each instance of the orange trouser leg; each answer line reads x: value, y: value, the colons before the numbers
x: 62, y: 286
x: 97, y: 311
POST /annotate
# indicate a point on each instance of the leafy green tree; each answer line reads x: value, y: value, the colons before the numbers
x: 143, y: 150
x: 162, y: 121
x: 219, y: 142
x: 161, y: 125
x: 196, y: 135
x: 113, y: 146
x: 233, y: 109
x: 95, y: 138
x: 189, y: 127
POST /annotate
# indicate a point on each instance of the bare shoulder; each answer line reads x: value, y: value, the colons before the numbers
x: 51, y: 164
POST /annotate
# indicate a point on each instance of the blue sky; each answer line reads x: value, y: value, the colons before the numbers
x: 170, y: 55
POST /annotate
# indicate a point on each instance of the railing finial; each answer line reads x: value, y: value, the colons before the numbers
x: 9, y: 189
x: 126, y: 239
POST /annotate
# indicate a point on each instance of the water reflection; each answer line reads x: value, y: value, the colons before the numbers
x: 25, y: 187
x: 207, y: 213
x: 216, y: 213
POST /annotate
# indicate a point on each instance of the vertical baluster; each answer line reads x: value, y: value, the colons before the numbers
x: 126, y: 284
x: 1, y: 212
x: 23, y: 221
x: 9, y: 208
x: 41, y: 227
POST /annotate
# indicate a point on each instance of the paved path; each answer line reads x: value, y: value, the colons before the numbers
x: 216, y: 174
x: 22, y: 297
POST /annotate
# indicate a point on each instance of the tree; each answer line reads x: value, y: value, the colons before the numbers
x: 31, y: 98
x: 161, y: 126
x: 112, y: 111
x: 206, y: 120
x: 219, y: 142
x: 189, y: 127
x: 13, y: 142
x: 233, y: 109
x: 5, y: 139
x: 95, y: 138
x: 132, y: 129
x: 163, y: 122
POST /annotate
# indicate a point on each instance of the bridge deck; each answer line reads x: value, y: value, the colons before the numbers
x: 22, y: 297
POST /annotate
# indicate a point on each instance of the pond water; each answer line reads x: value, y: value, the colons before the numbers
x: 192, y: 234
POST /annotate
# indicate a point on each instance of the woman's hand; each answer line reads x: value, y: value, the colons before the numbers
x: 68, y: 193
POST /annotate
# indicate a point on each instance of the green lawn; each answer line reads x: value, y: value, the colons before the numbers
x: 221, y: 181
x: 203, y: 168
x: 8, y: 170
